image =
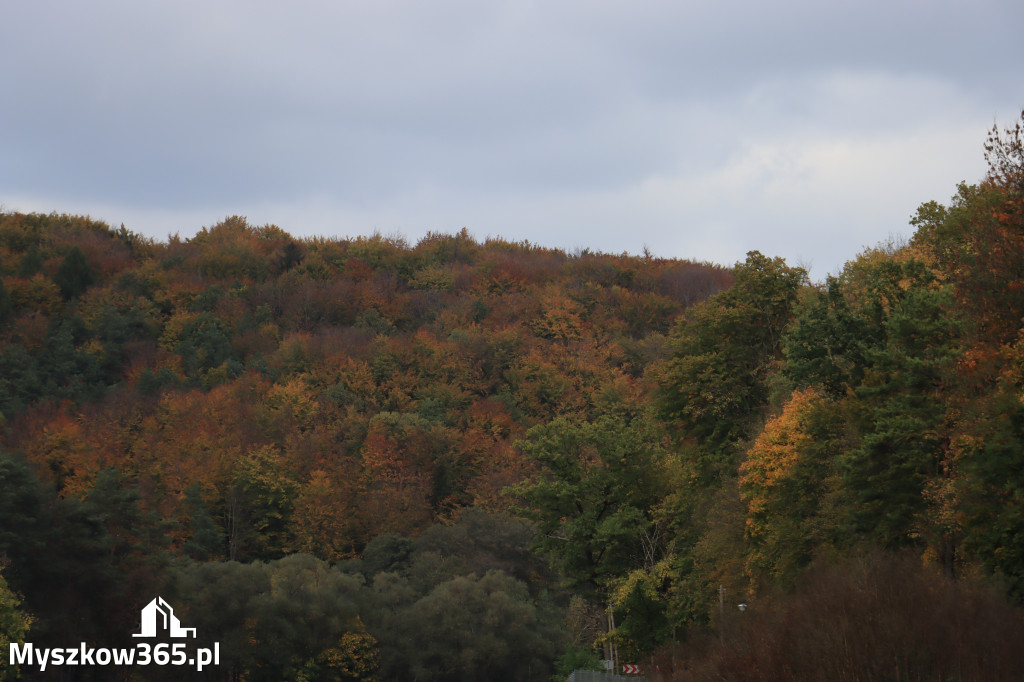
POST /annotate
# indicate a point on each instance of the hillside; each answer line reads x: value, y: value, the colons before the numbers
x: 381, y: 384
x: 349, y: 458
x: 245, y: 395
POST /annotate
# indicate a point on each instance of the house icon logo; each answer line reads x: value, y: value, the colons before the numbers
x: 159, y: 616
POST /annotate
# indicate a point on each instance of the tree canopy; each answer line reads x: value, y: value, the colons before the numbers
x: 367, y: 459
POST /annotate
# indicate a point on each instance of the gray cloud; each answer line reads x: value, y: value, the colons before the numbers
x: 801, y: 128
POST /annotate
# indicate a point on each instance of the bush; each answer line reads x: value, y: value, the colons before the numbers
x: 879, y: 617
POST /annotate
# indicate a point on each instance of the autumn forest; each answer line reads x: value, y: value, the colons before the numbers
x: 364, y: 459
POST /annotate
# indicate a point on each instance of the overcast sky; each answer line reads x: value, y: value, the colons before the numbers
x: 805, y: 129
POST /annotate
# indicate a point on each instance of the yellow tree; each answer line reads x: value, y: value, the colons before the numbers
x: 323, y: 519
x: 14, y: 625
x: 787, y: 482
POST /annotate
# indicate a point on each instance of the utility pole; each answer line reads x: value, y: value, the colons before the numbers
x: 611, y: 632
x: 721, y: 613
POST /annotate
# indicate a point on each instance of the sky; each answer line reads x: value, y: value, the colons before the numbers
x: 803, y: 129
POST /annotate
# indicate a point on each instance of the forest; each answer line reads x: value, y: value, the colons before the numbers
x: 364, y: 459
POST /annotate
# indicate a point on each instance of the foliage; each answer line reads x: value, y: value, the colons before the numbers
x: 290, y: 619
x: 874, y: 618
x: 789, y: 483
x: 826, y: 343
x: 992, y: 487
x: 14, y: 625
x: 74, y: 274
x: 663, y: 434
x: 576, y: 658
x: 593, y: 496
x: 471, y: 628
x: 723, y: 351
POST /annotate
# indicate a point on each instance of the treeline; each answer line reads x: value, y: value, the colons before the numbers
x: 253, y: 424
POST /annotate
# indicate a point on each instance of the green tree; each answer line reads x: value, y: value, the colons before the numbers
x: 76, y: 576
x: 74, y: 275
x: 825, y: 344
x: 22, y: 526
x: 20, y: 383
x: 6, y: 306
x: 204, y: 343
x: 593, y: 497
x: 260, y: 505
x: 481, y: 541
x: 902, y: 409
x: 215, y: 598
x: 66, y: 367
x: 31, y: 262
x: 206, y: 540
x: 723, y: 353
x: 281, y: 620
x: 386, y: 553
x: 978, y: 240
x: 485, y: 628
x: 576, y: 658
x: 642, y: 619
x: 992, y: 486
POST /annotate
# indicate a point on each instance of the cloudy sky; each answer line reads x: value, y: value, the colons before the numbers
x: 801, y: 128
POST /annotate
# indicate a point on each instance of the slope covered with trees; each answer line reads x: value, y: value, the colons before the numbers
x: 247, y: 396
x: 451, y: 460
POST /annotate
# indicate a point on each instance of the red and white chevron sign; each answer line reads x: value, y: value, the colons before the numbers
x: 628, y: 669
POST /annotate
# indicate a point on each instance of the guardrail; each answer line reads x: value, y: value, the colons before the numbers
x: 597, y: 676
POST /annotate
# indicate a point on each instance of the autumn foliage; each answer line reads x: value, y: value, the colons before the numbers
x: 541, y: 443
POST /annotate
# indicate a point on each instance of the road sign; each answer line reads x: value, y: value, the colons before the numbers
x: 628, y: 669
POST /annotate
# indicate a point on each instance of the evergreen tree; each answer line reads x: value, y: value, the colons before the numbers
x: 74, y: 275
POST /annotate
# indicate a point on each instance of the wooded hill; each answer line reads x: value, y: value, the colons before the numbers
x: 348, y: 458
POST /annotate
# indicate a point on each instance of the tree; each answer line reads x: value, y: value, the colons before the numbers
x: 825, y: 344
x: 723, y: 351
x: 203, y: 343
x: 355, y: 658
x: 294, y: 618
x: 1005, y: 156
x: 994, y: 505
x: 14, y: 625
x: 206, y: 540
x: 789, y: 484
x: 978, y: 240
x: 642, y: 621
x: 477, y: 628
x: 6, y: 306
x: 323, y: 518
x: 22, y: 526
x: 593, y: 496
x: 977, y: 244
x: 397, y: 491
x: 992, y: 485
x: 261, y: 500
x: 903, y: 411
x: 74, y: 275
x: 480, y: 541
x: 20, y: 383
x: 73, y: 573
